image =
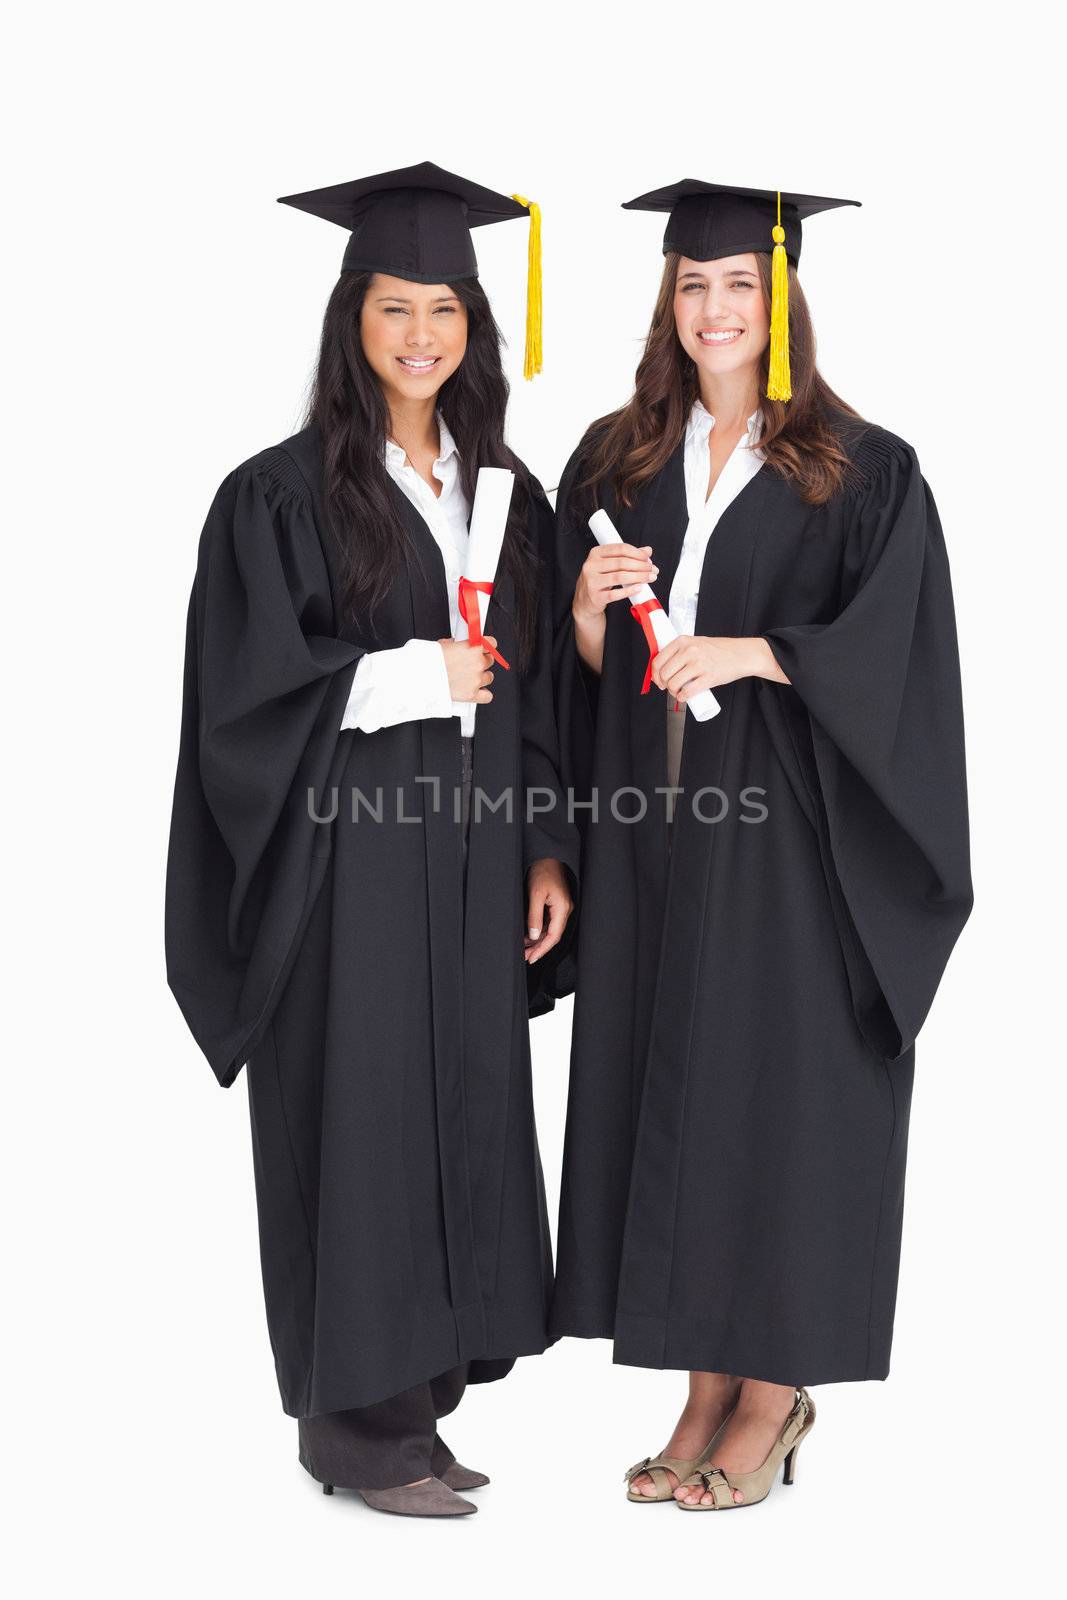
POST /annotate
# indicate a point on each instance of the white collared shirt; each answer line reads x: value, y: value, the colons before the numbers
x: 411, y: 682
x: 705, y: 510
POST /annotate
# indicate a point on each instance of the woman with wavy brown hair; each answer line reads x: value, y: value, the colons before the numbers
x: 776, y: 862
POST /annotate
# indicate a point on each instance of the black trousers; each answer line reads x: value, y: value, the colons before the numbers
x: 396, y: 1440
x: 385, y: 1445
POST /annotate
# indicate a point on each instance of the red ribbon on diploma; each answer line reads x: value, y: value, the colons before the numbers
x: 641, y: 612
x: 470, y: 611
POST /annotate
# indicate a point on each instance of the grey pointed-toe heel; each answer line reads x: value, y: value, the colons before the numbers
x: 462, y: 1478
x: 430, y: 1499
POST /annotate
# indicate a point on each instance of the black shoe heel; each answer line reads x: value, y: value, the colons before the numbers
x: 789, y: 1466
x: 327, y: 1488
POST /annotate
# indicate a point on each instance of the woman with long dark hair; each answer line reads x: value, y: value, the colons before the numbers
x: 770, y: 891
x: 362, y: 888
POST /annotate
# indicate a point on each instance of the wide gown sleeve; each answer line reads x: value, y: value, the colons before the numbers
x: 881, y: 687
x: 266, y: 685
x: 548, y: 831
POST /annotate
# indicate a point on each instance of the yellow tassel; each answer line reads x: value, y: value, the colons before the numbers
x: 531, y: 364
x: 778, y: 380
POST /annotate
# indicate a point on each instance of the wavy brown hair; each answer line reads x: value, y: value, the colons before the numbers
x: 349, y: 408
x: 800, y: 439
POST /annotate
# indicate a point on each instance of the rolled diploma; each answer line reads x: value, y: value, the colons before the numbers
x: 703, y: 705
x: 489, y: 517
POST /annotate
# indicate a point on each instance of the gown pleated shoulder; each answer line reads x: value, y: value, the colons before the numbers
x: 748, y: 998
x: 317, y: 929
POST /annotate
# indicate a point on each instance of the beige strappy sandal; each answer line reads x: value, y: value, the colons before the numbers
x: 657, y: 1468
x: 755, y: 1486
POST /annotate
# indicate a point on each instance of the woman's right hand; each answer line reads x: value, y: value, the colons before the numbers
x: 469, y: 669
x: 606, y: 566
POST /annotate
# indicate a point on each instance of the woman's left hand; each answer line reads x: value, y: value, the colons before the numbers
x: 687, y: 665
x: 547, y: 891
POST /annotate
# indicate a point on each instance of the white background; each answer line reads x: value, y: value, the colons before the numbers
x: 163, y: 315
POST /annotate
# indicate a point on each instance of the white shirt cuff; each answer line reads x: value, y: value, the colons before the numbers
x: 402, y: 685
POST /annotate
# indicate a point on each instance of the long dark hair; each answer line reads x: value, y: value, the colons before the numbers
x: 349, y: 408
x: 801, y: 437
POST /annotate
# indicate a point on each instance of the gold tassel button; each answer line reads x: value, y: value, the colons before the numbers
x: 531, y: 364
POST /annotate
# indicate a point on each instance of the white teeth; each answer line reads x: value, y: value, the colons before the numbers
x: 726, y: 337
x: 419, y: 366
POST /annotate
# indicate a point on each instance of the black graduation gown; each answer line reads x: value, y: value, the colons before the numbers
x: 746, y: 1009
x: 384, y: 1023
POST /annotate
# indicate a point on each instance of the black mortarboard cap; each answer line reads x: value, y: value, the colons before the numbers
x: 413, y: 223
x: 710, y: 220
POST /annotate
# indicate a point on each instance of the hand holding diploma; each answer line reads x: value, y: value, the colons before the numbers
x: 655, y: 623
x: 489, y: 517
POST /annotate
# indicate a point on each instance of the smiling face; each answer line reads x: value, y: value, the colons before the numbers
x: 721, y: 316
x: 414, y: 335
